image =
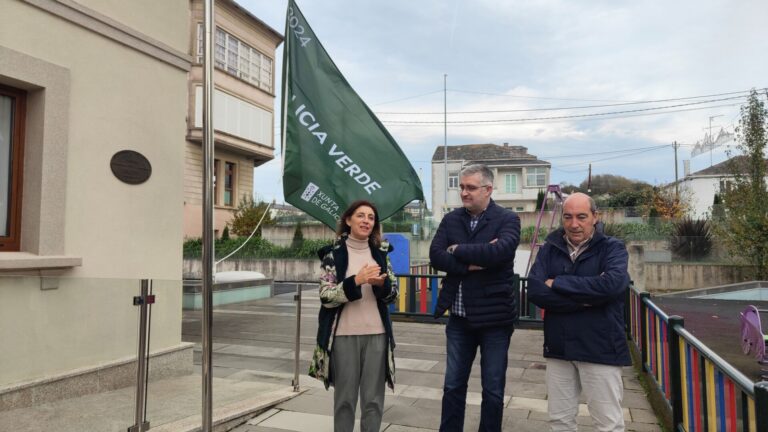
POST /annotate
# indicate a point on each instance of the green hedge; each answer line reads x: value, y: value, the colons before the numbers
x: 257, y: 247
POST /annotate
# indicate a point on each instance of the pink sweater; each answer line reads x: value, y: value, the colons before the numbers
x: 360, y: 317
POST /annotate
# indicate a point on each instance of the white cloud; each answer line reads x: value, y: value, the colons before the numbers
x: 578, y: 52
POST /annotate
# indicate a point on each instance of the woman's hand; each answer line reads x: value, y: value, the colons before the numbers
x: 369, y: 274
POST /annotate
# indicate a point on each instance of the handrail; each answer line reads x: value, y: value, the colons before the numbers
x: 738, y: 378
x: 656, y: 309
x: 682, y: 392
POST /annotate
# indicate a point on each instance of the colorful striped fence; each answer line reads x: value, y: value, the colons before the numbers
x: 703, y: 392
x: 418, y: 298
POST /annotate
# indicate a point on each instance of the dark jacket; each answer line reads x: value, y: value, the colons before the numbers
x: 336, y: 290
x: 584, y: 319
x: 488, y: 294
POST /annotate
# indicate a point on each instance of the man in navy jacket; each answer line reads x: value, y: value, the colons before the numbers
x: 580, y: 278
x: 475, y: 246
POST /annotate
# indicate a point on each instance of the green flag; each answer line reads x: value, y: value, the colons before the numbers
x: 335, y: 150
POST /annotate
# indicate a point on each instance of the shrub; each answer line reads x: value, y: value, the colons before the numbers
x: 225, y: 233
x: 526, y: 235
x: 692, y: 239
x: 298, y: 237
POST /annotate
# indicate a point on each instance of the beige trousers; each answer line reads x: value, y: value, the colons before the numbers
x: 602, y: 388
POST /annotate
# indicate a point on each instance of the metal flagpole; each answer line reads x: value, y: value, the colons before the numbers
x: 445, y: 142
x: 208, y: 251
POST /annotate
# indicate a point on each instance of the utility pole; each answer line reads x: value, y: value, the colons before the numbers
x: 445, y: 142
x: 677, y: 192
x: 589, y: 179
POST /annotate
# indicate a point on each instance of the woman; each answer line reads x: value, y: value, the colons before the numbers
x: 355, y: 344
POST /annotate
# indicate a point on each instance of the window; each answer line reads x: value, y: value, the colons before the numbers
x: 229, y: 183
x: 237, y: 58
x: 725, y: 185
x: 510, y: 183
x: 519, y: 209
x: 12, y: 119
x: 453, y: 181
x: 536, y: 177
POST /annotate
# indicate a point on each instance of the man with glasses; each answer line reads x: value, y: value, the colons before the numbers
x: 475, y: 246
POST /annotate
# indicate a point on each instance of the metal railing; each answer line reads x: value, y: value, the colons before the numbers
x: 419, y: 292
x: 702, y: 391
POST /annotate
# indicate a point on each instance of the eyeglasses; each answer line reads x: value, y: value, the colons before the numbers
x: 471, y: 188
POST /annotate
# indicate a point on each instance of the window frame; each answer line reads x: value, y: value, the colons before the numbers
x: 231, y: 176
x: 507, y: 182
x: 453, y: 181
x: 12, y: 242
x: 534, y: 171
x: 248, y: 64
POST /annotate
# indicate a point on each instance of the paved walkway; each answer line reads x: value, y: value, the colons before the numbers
x: 253, y: 371
x: 261, y: 351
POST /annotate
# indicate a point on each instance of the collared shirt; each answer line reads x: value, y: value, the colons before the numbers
x: 458, y: 303
x: 575, y: 250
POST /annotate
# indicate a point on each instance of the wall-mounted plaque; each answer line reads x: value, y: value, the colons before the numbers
x: 130, y: 167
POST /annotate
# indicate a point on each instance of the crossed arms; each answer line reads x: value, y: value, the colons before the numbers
x: 466, y: 257
x: 569, y: 293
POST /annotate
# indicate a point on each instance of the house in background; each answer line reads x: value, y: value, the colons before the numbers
x: 518, y: 176
x: 243, y: 110
x: 701, y: 186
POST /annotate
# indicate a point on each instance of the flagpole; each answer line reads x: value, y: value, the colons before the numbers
x: 208, y: 252
x: 284, y: 121
x: 445, y: 142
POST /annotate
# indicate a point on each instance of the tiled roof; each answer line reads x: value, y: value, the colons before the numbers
x: 724, y: 168
x: 487, y: 154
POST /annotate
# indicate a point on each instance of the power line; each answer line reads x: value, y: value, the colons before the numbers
x: 558, y: 118
x: 605, y: 152
x: 567, y: 116
x: 613, y: 157
x: 566, y: 108
x: 408, y: 97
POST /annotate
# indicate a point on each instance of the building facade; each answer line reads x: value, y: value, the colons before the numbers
x: 701, y: 186
x: 518, y: 176
x: 243, y: 110
x: 80, y: 82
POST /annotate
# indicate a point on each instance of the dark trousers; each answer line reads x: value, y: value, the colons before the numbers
x: 462, y: 343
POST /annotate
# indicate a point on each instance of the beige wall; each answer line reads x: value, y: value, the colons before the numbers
x: 120, y: 97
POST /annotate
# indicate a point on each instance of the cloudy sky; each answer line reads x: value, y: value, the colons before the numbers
x: 612, y: 83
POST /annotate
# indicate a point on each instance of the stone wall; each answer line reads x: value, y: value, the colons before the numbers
x: 277, y: 269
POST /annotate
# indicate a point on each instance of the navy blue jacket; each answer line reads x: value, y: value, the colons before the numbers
x: 488, y: 294
x: 584, y: 319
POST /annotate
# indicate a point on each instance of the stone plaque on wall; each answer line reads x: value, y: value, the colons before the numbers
x: 130, y: 167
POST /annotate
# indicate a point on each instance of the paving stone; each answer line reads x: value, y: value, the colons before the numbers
x: 255, y: 351
x: 530, y: 404
x: 526, y: 389
x: 415, y: 364
x: 413, y: 416
x: 516, y: 413
x: 311, y: 404
x: 400, y: 428
x: 643, y: 416
x: 643, y: 427
x: 513, y: 424
x: 631, y: 383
